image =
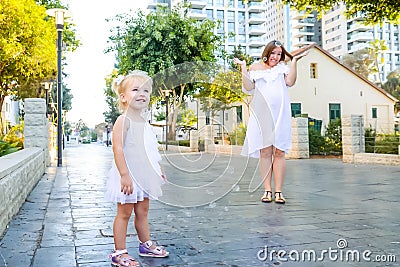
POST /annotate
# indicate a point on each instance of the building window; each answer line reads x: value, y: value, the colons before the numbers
x: 239, y: 114
x: 313, y: 71
x: 334, y: 112
x: 296, y: 109
x: 374, y: 113
x: 209, y: 13
x: 231, y: 15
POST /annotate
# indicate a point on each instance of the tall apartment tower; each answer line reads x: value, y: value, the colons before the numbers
x: 345, y: 36
x: 304, y: 28
x: 244, y: 23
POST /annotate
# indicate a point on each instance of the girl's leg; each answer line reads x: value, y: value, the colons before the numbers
x: 121, y: 224
x: 279, y: 170
x: 146, y: 248
x: 121, y: 256
x: 141, y: 220
x: 266, y: 167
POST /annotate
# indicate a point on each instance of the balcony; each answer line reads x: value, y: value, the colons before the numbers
x: 255, y: 52
x: 303, y: 33
x: 257, y: 30
x: 306, y: 22
x: 256, y: 18
x: 198, y: 4
x: 356, y: 47
x: 257, y: 41
x: 255, y: 7
x: 360, y: 37
x: 154, y: 3
x: 356, y: 26
x: 197, y: 14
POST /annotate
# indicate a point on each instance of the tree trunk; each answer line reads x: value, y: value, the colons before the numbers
x: 1, y: 117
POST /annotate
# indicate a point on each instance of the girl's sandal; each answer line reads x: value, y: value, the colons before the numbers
x: 280, y: 199
x: 118, y: 260
x: 148, y: 249
x: 267, y: 197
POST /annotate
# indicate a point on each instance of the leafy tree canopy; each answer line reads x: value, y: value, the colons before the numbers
x: 372, y: 11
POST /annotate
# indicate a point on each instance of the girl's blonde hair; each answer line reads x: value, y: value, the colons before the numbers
x: 122, y: 83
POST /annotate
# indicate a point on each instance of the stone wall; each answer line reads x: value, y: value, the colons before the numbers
x: 300, y: 146
x: 353, y: 144
x: 20, y: 171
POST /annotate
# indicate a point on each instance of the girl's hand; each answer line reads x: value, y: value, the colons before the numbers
x: 239, y: 62
x: 297, y: 57
x: 126, y: 185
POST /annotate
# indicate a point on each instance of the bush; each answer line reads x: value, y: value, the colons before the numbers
x: 7, y: 148
x: 387, y: 144
x: 238, y: 135
x: 370, y: 137
x: 13, y: 140
x: 178, y: 143
x: 316, y: 141
x: 333, y: 137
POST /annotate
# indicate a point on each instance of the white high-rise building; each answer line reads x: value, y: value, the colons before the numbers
x: 243, y: 23
x: 345, y: 36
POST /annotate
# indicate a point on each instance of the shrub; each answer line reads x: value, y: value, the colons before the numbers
x: 7, y: 148
x: 387, y: 144
x: 316, y: 141
x: 237, y: 136
x: 13, y: 140
x: 333, y: 137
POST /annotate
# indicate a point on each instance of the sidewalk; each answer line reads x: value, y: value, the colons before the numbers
x: 211, y: 215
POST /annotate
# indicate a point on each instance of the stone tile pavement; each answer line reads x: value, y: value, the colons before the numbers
x: 210, y: 215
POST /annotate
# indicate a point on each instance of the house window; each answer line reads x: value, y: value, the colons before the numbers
x: 296, y: 109
x: 239, y: 114
x: 313, y: 71
x: 374, y: 113
x: 334, y: 111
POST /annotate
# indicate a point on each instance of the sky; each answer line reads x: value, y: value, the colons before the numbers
x: 89, y: 65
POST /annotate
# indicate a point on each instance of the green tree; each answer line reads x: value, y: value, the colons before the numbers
x: 160, y: 43
x: 27, y: 43
x: 82, y: 128
x: 372, y: 11
x: 360, y: 61
x: 376, y: 49
x: 392, y: 86
x: 113, y: 111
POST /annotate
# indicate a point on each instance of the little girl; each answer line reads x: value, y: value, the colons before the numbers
x: 135, y: 176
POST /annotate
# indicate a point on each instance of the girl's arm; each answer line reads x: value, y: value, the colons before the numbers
x: 118, y: 139
x: 290, y: 79
x: 247, y: 83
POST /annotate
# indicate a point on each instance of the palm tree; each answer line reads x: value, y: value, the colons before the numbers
x: 376, y: 48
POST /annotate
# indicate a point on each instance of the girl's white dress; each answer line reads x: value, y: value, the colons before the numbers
x: 142, y: 158
x: 270, y: 113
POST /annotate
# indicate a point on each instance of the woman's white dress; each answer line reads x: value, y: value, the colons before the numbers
x: 270, y: 113
x: 142, y: 158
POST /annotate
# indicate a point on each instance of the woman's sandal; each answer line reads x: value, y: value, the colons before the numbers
x: 280, y: 199
x: 118, y: 260
x: 267, y: 197
x: 146, y: 250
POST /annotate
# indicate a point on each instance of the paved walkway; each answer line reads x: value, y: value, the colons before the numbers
x: 211, y: 215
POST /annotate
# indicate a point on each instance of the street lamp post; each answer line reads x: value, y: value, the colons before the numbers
x: 59, y: 14
x: 166, y: 117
